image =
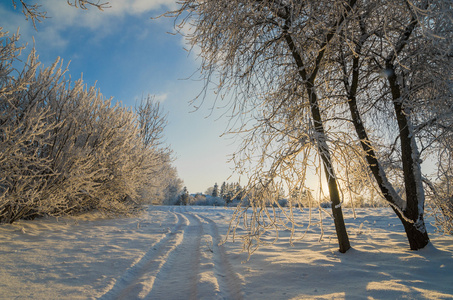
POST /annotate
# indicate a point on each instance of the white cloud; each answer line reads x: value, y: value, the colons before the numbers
x: 137, y: 7
x: 155, y: 97
x: 61, y: 17
x: 160, y: 97
x: 52, y: 38
x: 11, y: 22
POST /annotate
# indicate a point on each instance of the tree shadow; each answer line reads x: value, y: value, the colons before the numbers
x: 370, y: 270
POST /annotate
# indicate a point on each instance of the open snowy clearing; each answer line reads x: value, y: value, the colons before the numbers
x: 173, y: 253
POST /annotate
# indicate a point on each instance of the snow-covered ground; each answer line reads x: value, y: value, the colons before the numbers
x: 173, y: 253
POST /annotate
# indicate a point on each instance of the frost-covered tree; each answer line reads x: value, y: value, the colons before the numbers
x: 23, y: 127
x: 168, y: 187
x: 172, y: 191
x: 152, y: 121
x: 249, y: 46
x: 394, y: 53
x: 215, y: 190
x: 238, y: 192
x: 64, y: 148
x: 223, y: 189
x: 359, y: 91
x: 162, y: 177
x: 184, y: 197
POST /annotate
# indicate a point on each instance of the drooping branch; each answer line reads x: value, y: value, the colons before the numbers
x: 377, y: 170
x: 323, y: 148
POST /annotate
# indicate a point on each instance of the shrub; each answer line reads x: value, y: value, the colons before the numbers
x: 65, y: 149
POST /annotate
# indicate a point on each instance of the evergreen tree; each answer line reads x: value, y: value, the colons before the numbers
x: 238, y: 192
x: 223, y: 190
x: 184, y: 198
x: 215, y: 191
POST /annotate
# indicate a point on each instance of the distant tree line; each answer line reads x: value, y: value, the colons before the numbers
x: 228, y: 194
x: 227, y: 191
x: 66, y: 149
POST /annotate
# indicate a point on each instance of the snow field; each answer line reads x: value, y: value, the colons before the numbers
x: 173, y: 252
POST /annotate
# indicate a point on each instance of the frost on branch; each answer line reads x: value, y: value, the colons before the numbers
x: 366, y: 83
x: 65, y: 149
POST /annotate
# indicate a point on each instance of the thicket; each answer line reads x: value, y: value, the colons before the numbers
x: 65, y: 149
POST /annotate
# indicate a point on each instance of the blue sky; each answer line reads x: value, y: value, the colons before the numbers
x: 128, y: 55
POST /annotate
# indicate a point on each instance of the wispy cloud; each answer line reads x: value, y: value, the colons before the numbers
x: 138, y: 7
x: 62, y: 17
x: 160, y: 98
x: 154, y: 97
x: 92, y: 18
x: 11, y: 22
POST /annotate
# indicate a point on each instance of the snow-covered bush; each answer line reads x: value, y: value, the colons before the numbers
x: 64, y: 148
x: 23, y: 131
x: 171, y: 191
x: 197, y: 199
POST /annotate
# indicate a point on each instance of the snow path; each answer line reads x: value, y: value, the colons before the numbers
x: 139, y: 278
x: 228, y: 280
x: 179, y: 273
x: 177, y: 263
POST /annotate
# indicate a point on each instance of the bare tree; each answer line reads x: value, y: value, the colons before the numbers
x: 251, y: 46
x: 151, y: 120
x: 341, y: 84
x: 393, y: 53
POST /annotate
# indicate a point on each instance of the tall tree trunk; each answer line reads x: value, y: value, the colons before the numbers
x: 323, y: 149
x: 324, y: 152
x: 412, y: 219
x: 415, y: 197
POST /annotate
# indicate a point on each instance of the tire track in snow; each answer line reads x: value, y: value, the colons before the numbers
x: 229, y: 283
x: 178, y: 277
x: 138, y: 280
x: 176, y: 268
